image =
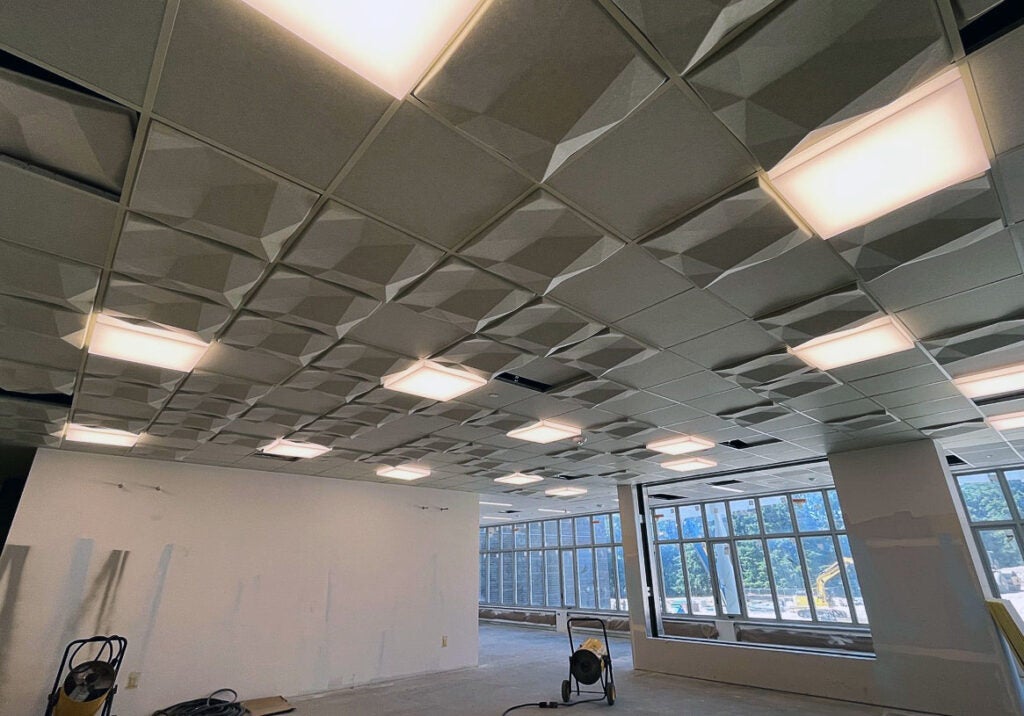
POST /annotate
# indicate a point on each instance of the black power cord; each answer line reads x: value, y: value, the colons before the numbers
x: 547, y: 705
x: 210, y: 706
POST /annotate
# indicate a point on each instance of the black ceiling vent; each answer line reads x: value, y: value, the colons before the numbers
x: 523, y: 382
x: 955, y: 460
x: 509, y: 512
x: 992, y: 25
x: 664, y: 496
x: 723, y: 483
x: 570, y: 477
x: 55, y: 399
x: 744, y: 444
x: 279, y: 458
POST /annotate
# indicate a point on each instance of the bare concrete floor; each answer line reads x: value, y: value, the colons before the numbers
x: 518, y: 665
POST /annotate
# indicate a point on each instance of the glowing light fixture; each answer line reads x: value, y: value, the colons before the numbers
x: 992, y: 382
x: 389, y: 42
x: 99, y: 436
x: 293, y: 448
x: 495, y: 517
x: 680, y: 444
x: 430, y: 380
x: 557, y: 512
x: 403, y: 472
x: 924, y: 141
x: 114, y: 338
x: 545, y: 431
x: 518, y: 478
x: 496, y: 504
x: 689, y: 463
x: 1009, y: 421
x: 725, y: 488
x: 878, y: 338
x: 565, y: 491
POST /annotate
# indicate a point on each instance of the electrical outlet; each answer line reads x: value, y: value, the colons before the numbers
x: 444, y: 640
x: 133, y: 679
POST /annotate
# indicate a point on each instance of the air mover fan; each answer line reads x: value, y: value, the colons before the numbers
x: 90, y: 686
x: 589, y: 664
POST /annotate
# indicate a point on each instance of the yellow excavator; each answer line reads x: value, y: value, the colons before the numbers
x: 821, y: 600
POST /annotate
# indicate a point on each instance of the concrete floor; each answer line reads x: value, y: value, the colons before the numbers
x: 518, y: 665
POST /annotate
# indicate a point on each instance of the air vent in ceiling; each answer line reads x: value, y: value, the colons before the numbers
x: 744, y: 444
x: 279, y: 458
x: 509, y: 512
x: 664, y: 496
x: 523, y: 382
x: 954, y: 460
x: 569, y: 477
x: 55, y: 399
x: 723, y: 483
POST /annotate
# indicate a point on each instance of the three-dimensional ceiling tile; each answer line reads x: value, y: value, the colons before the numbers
x: 351, y: 358
x: 604, y: 352
x: 293, y: 297
x: 51, y: 336
x: 142, y: 301
x: 543, y: 328
x: 18, y: 377
x: 291, y: 343
x: 46, y: 278
x: 484, y: 356
x: 821, y: 315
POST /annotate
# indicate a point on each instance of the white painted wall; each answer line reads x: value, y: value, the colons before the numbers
x: 263, y: 582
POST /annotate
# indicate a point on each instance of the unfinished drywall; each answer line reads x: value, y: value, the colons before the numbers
x: 266, y: 583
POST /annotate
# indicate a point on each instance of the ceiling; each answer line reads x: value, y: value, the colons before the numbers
x: 570, y: 195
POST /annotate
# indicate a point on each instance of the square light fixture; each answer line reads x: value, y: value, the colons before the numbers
x: 545, y: 431
x: 496, y: 504
x: 680, y: 444
x: 923, y: 142
x: 992, y: 382
x: 389, y: 42
x: 689, y: 463
x: 1009, y: 421
x: 878, y: 338
x: 99, y: 436
x: 403, y: 472
x: 293, y: 448
x: 430, y: 380
x: 565, y: 491
x: 518, y: 478
x: 116, y: 338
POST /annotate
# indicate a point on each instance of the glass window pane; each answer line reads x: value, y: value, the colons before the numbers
x: 520, y: 532
x: 568, y: 578
x: 585, y: 569
x: 602, y: 531
x: 620, y: 568
x: 718, y: 523
x: 775, y: 513
x: 483, y: 539
x: 725, y: 573
x: 508, y: 578
x: 493, y: 538
x: 698, y: 573
x: 837, y: 512
x: 551, y: 533
x: 789, y: 579
x: 665, y: 520
x: 851, y: 573
x: 826, y: 579
x: 616, y: 528
x: 535, y: 537
x: 565, y: 527
x: 810, y: 512
x: 494, y: 578
x: 691, y: 521
x: 983, y: 497
x: 1015, y: 480
x: 672, y: 580
x: 537, y: 579
x: 583, y: 530
x: 1004, y: 559
x: 757, y: 591
x: 744, y: 517
x: 506, y: 536
x: 483, y: 578
x: 522, y: 578
x: 552, y: 579
x: 605, y: 576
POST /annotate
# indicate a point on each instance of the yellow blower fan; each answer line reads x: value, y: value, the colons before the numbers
x: 89, y: 686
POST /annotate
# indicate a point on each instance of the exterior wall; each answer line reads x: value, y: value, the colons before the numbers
x: 266, y: 583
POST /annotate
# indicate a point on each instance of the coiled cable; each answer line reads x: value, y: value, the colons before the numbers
x: 209, y: 706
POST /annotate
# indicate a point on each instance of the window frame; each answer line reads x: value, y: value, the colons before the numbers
x: 1015, y: 524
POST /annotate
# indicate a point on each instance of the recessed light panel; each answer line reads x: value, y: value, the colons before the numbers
x: 565, y: 491
x: 556, y: 512
x: 518, y: 478
x: 403, y: 472
x: 495, y: 517
x: 389, y: 42
x: 545, y: 431
x: 430, y: 380
x: 925, y: 141
x: 293, y: 448
x: 724, y: 488
x: 114, y: 338
x: 689, y: 463
x: 496, y: 504
x: 872, y: 340
x: 992, y: 382
x: 1010, y: 421
x: 99, y: 436
x: 680, y: 444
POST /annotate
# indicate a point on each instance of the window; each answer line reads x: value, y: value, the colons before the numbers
x: 994, y: 502
x: 782, y: 557
x: 569, y: 562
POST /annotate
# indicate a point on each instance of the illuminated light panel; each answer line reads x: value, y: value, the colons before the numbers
x: 430, y: 380
x: 878, y: 338
x: 293, y: 448
x: 680, y: 444
x: 389, y: 42
x: 99, y: 436
x: 495, y: 517
x: 725, y: 488
x: 1010, y: 421
x: 496, y: 504
x: 921, y: 143
x: 689, y: 463
x: 565, y: 491
x: 545, y: 431
x: 557, y: 512
x: 992, y: 382
x: 114, y: 338
x: 403, y: 472
x: 518, y: 478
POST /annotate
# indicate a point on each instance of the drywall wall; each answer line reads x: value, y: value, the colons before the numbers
x: 267, y: 583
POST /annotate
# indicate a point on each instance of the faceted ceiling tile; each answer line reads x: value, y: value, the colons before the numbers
x: 198, y: 404
x: 763, y: 369
x: 984, y: 347
x: 42, y: 277
x: 856, y: 57
x: 345, y: 247
x: 160, y: 255
x: 294, y: 297
x: 371, y: 416
x: 33, y: 411
x: 623, y: 429
x: 464, y: 295
x: 742, y: 229
x: 593, y: 393
x: 426, y: 178
x: 19, y: 377
x: 131, y: 299
x: 46, y: 335
x: 350, y: 358
x: 271, y: 416
x: 797, y: 386
x: 114, y: 421
x: 604, y: 352
x: 203, y: 382
x: 865, y: 421
x: 485, y: 356
x: 197, y: 188
x: 281, y: 340
x: 541, y: 243
x: 755, y: 415
x: 825, y: 314
x: 148, y: 395
x: 75, y: 134
x: 119, y: 370
x: 543, y: 328
x: 996, y: 75
x: 942, y: 221
x: 457, y: 412
x: 392, y: 401
x: 956, y: 429
x: 325, y: 382
x: 538, y: 80
x: 187, y: 420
